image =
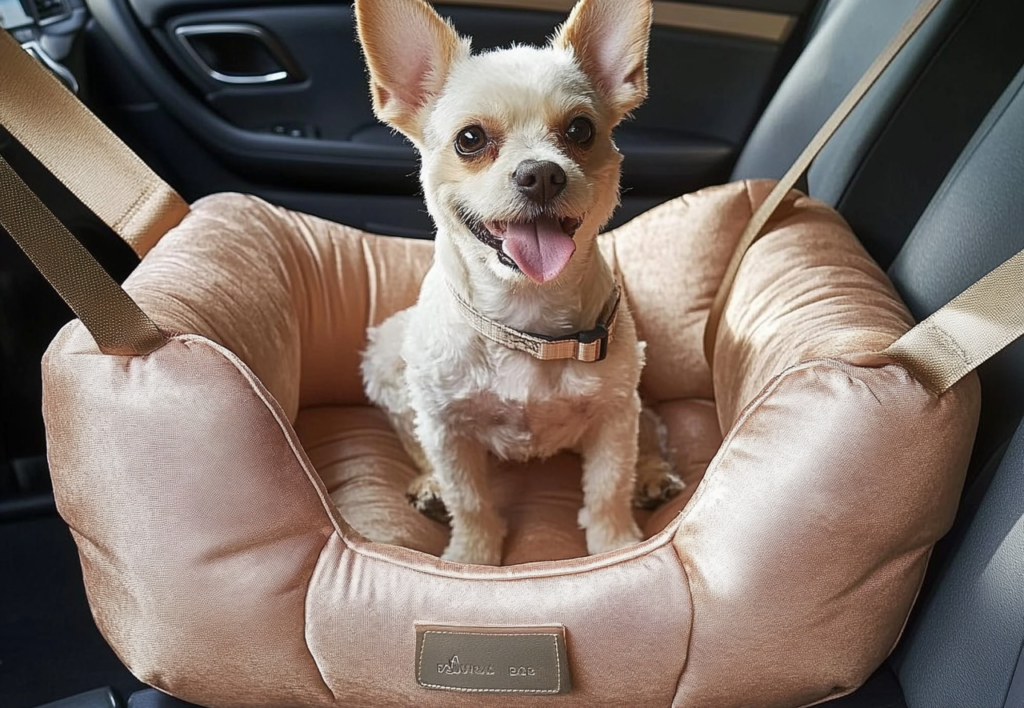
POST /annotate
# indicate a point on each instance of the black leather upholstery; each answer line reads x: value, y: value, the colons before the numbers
x: 151, y: 698
x: 882, y: 690
x: 98, y: 698
x: 849, y: 36
x: 962, y: 649
x: 963, y: 645
x: 911, y: 155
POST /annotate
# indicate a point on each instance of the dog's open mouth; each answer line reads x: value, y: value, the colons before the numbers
x: 540, y: 248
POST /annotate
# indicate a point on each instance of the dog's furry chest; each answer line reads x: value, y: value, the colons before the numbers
x: 516, y: 406
x: 529, y: 409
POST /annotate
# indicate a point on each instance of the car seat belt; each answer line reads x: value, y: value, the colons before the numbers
x: 92, y: 162
x: 115, y: 321
x: 755, y: 227
x: 969, y: 330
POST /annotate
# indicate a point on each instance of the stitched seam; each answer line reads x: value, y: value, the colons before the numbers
x: 491, y: 690
x: 828, y: 363
x: 950, y: 343
x: 631, y: 554
x: 129, y: 214
x: 286, y: 428
x: 693, y: 621
x: 305, y: 615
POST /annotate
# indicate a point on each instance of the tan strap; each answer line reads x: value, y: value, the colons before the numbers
x: 82, y: 153
x: 111, y: 316
x: 755, y: 228
x: 968, y: 331
x: 590, y: 346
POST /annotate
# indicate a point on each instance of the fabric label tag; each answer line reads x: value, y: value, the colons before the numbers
x: 526, y: 660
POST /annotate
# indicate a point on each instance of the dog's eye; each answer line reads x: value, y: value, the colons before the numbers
x: 580, y: 131
x: 471, y: 140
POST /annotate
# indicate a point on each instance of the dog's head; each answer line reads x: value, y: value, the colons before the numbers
x: 518, y: 165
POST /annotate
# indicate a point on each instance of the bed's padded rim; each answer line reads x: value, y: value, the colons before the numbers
x: 807, y: 540
x: 197, y: 524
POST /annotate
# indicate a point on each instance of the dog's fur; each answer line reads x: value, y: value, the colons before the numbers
x: 453, y: 395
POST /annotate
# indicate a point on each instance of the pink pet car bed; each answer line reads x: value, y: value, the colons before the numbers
x: 241, y: 511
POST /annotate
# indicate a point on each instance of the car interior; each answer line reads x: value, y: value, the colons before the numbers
x: 270, y: 98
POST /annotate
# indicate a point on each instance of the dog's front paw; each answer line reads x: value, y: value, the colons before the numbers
x: 656, y: 483
x: 478, y: 544
x: 479, y: 552
x: 424, y: 493
x: 603, y: 536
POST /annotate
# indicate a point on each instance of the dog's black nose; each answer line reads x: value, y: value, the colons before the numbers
x: 540, y: 181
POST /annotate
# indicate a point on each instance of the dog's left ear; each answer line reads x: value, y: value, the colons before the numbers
x: 609, y: 39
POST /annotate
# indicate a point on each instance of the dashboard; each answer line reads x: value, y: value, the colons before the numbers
x: 46, y: 29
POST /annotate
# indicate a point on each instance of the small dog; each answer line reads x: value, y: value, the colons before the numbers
x: 520, y: 173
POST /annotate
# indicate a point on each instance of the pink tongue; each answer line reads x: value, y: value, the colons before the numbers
x: 540, y: 248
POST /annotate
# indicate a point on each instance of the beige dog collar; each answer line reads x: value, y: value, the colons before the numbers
x: 588, y: 346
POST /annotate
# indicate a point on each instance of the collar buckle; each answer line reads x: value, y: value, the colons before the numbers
x: 593, y: 344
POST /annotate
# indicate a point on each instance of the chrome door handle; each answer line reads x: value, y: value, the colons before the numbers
x: 236, y: 53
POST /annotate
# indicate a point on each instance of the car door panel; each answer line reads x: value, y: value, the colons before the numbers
x: 313, y: 134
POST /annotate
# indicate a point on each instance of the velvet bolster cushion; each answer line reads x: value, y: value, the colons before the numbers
x: 240, y: 513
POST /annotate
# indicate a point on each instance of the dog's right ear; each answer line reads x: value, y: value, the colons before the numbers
x: 409, y: 50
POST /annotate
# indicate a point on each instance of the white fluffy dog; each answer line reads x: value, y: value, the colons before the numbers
x: 520, y: 173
